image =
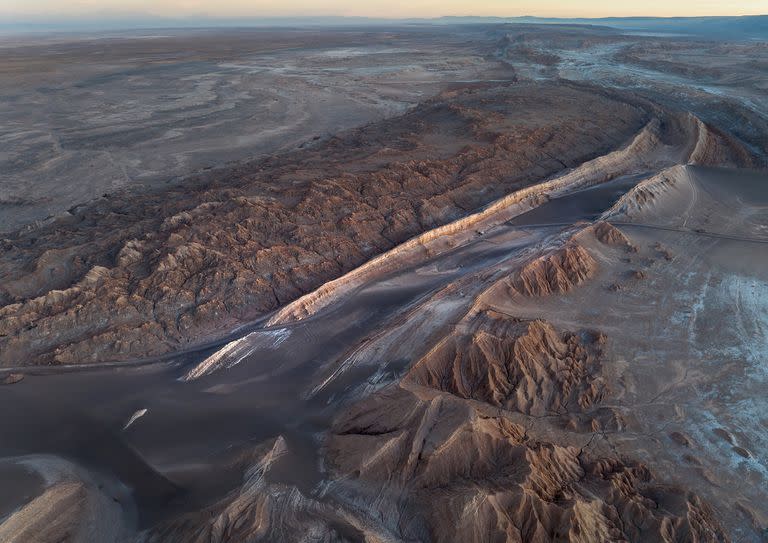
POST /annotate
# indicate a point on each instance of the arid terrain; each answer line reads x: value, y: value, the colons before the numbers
x: 85, y: 117
x: 475, y: 283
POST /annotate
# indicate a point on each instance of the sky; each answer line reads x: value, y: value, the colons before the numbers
x: 18, y: 9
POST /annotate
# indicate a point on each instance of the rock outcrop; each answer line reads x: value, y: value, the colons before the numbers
x: 139, y: 274
x: 448, y: 472
x: 608, y: 234
x: 555, y: 273
x: 524, y: 366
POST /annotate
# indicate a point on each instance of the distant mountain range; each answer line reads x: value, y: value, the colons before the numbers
x: 752, y: 27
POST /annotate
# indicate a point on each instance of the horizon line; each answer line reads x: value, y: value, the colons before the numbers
x: 119, y: 14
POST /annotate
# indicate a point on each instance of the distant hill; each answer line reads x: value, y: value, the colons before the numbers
x: 748, y: 27
x: 751, y: 27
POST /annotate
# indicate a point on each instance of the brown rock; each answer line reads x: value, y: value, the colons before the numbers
x: 12, y: 378
x: 556, y: 273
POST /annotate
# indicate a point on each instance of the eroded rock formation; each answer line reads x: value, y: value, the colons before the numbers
x: 454, y: 472
x: 555, y: 273
x: 525, y: 366
x: 140, y: 274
